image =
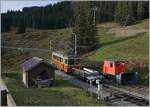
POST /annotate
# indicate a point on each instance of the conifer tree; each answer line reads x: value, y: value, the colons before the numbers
x: 21, y: 26
x: 84, y: 28
x: 140, y: 10
x: 124, y: 13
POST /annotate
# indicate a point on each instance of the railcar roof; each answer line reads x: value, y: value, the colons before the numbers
x: 113, y: 60
x: 62, y: 54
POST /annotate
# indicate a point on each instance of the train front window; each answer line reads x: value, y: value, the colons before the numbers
x: 70, y: 61
x: 66, y: 61
x: 58, y: 58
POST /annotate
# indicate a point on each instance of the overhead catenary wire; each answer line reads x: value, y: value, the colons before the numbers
x: 25, y: 48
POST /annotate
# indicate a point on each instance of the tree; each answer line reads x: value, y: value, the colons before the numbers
x: 84, y: 27
x: 124, y: 13
x: 140, y: 10
x: 61, y: 14
x: 6, y: 24
x: 21, y: 26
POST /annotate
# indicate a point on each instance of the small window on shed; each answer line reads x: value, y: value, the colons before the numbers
x: 111, y: 64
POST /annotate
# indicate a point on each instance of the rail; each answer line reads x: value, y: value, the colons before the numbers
x: 126, y: 91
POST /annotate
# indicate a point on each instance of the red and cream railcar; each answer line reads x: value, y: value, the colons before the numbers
x: 64, y: 62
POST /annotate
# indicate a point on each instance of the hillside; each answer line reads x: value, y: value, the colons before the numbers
x: 37, y: 39
x: 124, y: 43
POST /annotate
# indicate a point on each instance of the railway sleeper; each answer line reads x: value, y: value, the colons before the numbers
x: 113, y: 98
x: 132, y: 99
x: 136, y: 99
x: 141, y: 103
x: 138, y: 102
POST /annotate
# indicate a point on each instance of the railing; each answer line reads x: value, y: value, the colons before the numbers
x: 10, y: 101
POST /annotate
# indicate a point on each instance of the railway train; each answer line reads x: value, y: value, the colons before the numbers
x: 116, y: 69
x: 64, y: 62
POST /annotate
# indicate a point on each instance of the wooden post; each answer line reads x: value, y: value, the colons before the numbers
x: 3, y: 97
x: 91, y: 87
x: 100, y: 93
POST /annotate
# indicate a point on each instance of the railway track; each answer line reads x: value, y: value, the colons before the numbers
x: 115, y: 94
x: 120, y: 94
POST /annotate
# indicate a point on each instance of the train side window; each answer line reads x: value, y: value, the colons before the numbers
x: 70, y: 61
x: 61, y: 60
x: 111, y: 64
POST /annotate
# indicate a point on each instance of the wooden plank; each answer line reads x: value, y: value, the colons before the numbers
x: 3, y: 97
x: 10, y: 100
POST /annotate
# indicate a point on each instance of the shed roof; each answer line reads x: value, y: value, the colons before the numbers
x: 33, y: 62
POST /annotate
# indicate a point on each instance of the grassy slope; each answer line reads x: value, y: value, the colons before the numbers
x: 11, y: 59
x: 115, y: 46
x: 61, y: 94
x: 126, y: 48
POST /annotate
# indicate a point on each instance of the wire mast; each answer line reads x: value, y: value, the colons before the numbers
x: 94, y: 16
x: 75, y: 45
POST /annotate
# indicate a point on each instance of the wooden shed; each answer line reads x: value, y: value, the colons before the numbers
x: 36, y: 69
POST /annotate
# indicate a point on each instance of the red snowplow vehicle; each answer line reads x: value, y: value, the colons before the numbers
x: 117, y: 69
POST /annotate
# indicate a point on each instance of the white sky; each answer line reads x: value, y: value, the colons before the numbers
x: 18, y: 5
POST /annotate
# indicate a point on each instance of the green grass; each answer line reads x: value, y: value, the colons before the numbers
x: 141, y: 24
x: 126, y: 48
x: 60, y: 94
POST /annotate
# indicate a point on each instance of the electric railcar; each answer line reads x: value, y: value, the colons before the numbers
x: 64, y: 62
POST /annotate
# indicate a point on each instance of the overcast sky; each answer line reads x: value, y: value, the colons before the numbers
x: 18, y: 5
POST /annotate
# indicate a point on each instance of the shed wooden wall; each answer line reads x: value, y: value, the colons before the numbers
x: 32, y: 74
x: 25, y: 78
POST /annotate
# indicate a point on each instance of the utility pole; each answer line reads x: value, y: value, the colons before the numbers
x: 94, y: 17
x: 75, y: 44
x: 50, y: 43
